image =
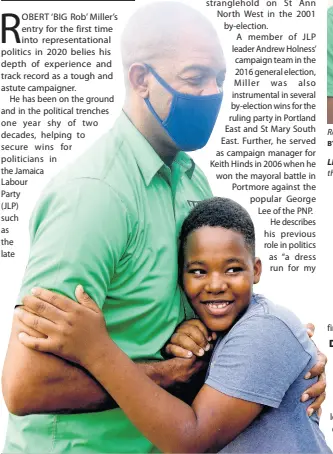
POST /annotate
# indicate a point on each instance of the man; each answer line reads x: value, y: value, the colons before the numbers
x: 110, y: 222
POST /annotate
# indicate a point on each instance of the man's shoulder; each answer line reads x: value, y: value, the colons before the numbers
x: 102, y: 161
x: 98, y: 179
x: 104, y: 167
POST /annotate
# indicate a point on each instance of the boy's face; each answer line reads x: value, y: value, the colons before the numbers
x: 219, y: 271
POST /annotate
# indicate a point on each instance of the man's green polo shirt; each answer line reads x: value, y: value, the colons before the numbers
x: 110, y: 221
x: 330, y: 51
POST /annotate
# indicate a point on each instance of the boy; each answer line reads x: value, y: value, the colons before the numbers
x: 250, y: 400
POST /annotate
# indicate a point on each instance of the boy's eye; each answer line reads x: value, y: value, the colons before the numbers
x: 234, y: 269
x: 197, y: 272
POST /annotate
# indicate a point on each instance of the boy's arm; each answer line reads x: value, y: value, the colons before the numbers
x: 193, y: 337
x: 173, y: 426
x: 168, y: 422
x: 252, y: 369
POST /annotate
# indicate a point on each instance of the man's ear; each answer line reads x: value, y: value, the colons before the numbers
x: 138, y: 75
x: 257, y: 268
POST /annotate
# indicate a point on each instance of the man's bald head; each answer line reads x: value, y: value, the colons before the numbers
x: 155, y: 32
x: 182, y: 47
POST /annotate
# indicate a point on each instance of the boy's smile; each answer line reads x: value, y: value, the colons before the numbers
x: 217, y: 307
x: 219, y: 271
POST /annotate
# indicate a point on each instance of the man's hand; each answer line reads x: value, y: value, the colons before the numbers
x: 190, y: 338
x: 182, y: 377
x: 318, y: 390
x: 182, y: 371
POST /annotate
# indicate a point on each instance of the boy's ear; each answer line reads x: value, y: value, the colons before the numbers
x: 257, y: 267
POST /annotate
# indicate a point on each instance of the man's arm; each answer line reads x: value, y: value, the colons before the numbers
x: 35, y: 382
x: 78, y: 235
x: 79, y: 229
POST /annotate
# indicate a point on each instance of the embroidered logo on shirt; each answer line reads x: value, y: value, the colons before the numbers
x: 193, y: 203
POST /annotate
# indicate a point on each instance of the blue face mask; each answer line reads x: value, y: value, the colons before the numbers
x: 191, y: 118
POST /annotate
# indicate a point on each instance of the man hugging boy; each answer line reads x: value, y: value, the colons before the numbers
x: 250, y: 399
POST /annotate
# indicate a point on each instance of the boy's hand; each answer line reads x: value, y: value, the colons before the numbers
x: 190, y: 338
x: 75, y: 332
x: 318, y: 389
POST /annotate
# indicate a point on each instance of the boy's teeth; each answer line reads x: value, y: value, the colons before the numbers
x: 218, y: 306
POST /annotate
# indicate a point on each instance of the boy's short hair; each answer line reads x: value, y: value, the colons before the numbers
x: 219, y: 212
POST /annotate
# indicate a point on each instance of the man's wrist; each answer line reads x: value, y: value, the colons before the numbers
x: 163, y: 373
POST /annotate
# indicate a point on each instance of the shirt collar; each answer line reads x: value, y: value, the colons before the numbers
x: 186, y: 163
x: 147, y: 159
